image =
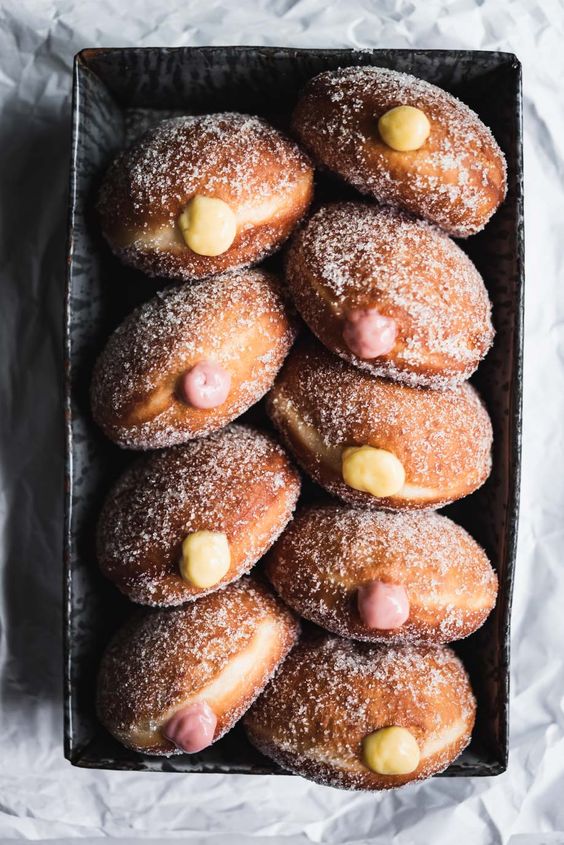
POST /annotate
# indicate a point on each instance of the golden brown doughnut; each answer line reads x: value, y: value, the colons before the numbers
x: 174, y: 681
x: 315, y: 718
x: 396, y: 446
x: 260, y: 181
x: 390, y: 294
x: 374, y: 576
x: 232, y: 493
x: 191, y: 360
x: 455, y: 177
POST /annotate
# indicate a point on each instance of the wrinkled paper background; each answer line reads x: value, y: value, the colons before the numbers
x: 41, y: 795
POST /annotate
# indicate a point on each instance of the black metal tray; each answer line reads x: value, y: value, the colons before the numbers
x: 112, y: 91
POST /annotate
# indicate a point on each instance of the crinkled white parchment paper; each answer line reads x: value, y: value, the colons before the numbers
x: 41, y: 795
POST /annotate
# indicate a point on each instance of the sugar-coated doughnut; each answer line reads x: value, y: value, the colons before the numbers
x: 185, y: 521
x: 390, y: 294
x: 405, y: 142
x: 174, y: 681
x: 190, y: 360
x: 377, y: 443
x: 198, y: 195
x: 357, y: 716
x: 389, y: 577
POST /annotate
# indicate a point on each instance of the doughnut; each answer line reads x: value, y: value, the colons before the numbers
x: 358, y: 716
x: 190, y: 360
x: 377, y: 443
x: 175, y: 681
x: 390, y: 294
x: 198, y: 195
x: 186, y: 521
x: 404, y: 142
x: 383, y: 577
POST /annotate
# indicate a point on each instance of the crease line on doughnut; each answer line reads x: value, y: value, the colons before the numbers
x: 332, y: 455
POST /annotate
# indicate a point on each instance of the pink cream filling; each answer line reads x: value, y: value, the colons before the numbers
x: 192, y: 728
x: 383, y: 606
x: 205, y: 386
x: 369, y: 334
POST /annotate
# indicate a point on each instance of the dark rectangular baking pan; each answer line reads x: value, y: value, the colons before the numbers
x: 116, y: 93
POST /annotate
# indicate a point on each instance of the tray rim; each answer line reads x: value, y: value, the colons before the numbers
x: 82, y: 63
x: 83, y: 55
x: 68, y: 418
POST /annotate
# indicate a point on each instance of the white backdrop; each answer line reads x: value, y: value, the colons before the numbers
x: 41, y: 795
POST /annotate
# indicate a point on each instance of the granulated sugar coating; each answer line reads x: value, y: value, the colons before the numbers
x: 443, y: 438
x: 158, y: 168
x: 329, y: 551
x: 357, y: 256
x: 158, y: 660
x: 456, y: 179
x: 331, y: 693
x: 237, y: 319
x: 259, y: 172
x: 237, y: 481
